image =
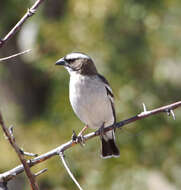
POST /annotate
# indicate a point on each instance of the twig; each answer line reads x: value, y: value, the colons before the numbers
x: 11, y: 139
x: 40, y: 172
x: 6, y: 176
x: 28, y: 14
x: 20, y: 149
x: 68, y: 170
x: 27, y: 153
x: 173, y: 115
x: 14, y: 55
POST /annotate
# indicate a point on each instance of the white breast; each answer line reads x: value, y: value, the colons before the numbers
x: 89, y: 100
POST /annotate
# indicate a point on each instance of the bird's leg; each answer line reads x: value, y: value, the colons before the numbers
x: 101, y: 131
x: 82, y: 131
x: 80, y: 137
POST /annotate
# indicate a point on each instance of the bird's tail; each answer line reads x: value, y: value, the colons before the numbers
x: 109, y: 147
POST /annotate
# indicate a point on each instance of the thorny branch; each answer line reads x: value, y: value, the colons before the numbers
x: 6, y: 176
x: 11, y: 139
x: 28, y: 14
x: 9, y: 134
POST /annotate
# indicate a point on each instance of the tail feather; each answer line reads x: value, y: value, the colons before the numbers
x: 109, y: 148
x: 114, y: 148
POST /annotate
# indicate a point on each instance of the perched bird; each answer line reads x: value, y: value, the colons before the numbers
x: 91, y: 98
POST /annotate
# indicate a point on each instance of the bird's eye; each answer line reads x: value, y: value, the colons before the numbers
x: 71, y: 60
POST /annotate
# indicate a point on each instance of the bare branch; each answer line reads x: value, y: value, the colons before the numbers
x: 14, y: 55
x: 6, y: 176
x: 40, y: 172
x: 68, y: 170
x: 11, y: 139
x: 20, y: 149
x: 27, y: 153
x: 28, y: 14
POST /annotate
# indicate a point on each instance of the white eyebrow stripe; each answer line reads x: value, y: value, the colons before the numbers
x: 76, y: 56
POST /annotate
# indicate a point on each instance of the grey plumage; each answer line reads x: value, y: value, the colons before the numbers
x: 91, y: 98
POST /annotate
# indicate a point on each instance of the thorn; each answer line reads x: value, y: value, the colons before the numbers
x: 144, y: 107
x: 31, y: 12
x: 40, y: 172
x: 27, y: 153
x: 145, y: 112
x: 11, y: 128
x: 1, y: 42
x: 172, y: 113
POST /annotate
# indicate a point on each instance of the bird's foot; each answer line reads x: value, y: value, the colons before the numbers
x: 74, y: 136
x: 78, y: 139
x: 81, y: 140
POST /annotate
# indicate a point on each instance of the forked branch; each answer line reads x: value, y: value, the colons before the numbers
x: 28, y: 14
x: 6, y: 176
x: 11, y: 139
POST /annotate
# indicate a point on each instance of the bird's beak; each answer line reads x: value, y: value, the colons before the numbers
x: 61, y: 62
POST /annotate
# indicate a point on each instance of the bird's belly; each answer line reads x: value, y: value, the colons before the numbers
x: 91, y: 106
x: 91, y: 112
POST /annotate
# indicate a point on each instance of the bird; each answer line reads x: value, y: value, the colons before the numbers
x: 91, y: 98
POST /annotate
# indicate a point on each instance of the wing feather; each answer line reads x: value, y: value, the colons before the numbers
x: 109, y: 94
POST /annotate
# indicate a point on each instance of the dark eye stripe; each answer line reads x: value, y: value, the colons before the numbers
x: 70, y: 60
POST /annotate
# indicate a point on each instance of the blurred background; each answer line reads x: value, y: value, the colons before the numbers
x: 136, y: 44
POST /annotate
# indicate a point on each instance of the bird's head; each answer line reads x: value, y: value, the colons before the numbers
x: 78, y: 63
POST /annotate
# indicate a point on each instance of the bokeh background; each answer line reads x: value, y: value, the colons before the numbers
x: 136, y: 44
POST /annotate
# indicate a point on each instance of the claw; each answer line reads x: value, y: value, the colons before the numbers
x: 81, y: 140
x: 145, y: 112
x: 144, y: 107
x: 74, y: 136
x: 78, y: 139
